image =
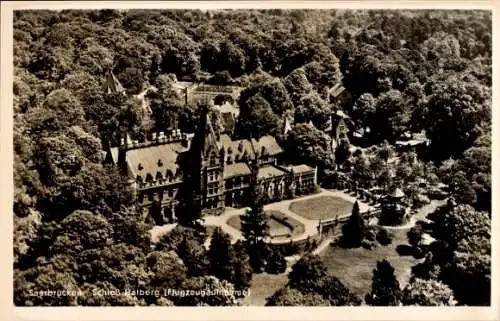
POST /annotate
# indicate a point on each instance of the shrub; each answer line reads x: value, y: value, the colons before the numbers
x: 369, y: 245
x: 383, y: 237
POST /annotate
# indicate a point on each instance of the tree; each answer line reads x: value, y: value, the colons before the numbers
x: 292, y: 297
x: 223, y: 290
x: 462, y: 190
x: 390, y: 118
x: 274, y: 91
x: 453, y: 115
x: 383, y: 237
x: 470, y: 272
x: 297, y: 85
x: 168, y: 271
x: 337, y: 293
x: 219, y: 255
x: 82, y: 230
x: 132, y: 79
x: 240, y: 264
x: 256, y: 118
x: 254, y: 227
x: 307, y: 274
x: 415, y: 235
x: 342, y: 152
x: 427, y: 293
x: 276, y: 263
x: 312, y: 107
x: 459, y: 222
x: 194, y: 255
x: 353, y: 231
x: 306, y: 144
x: 385, y: 287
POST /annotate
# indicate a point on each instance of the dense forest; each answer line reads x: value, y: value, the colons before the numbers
x: 75, y: 225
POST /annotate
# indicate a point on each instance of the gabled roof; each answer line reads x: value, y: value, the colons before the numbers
x: 269, y: 171
x: 303, y: 168
x: 237, y: 149
x: 336, y: 90
x: 269, y: 144
x: 237, y: 169
x: 148, y: 158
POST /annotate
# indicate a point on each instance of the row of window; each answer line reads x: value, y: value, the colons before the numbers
x: 237, y: 181
x: 150, y: 195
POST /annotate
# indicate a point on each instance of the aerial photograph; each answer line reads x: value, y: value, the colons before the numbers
x: 252, y: 157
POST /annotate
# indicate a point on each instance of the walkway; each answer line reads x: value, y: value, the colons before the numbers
x: 420, y: 215
x: 310, y: 226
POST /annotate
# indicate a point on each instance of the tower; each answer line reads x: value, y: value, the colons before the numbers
x: 112, y: 85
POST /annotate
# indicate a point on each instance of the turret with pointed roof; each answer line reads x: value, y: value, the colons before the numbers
x: 112, y: 85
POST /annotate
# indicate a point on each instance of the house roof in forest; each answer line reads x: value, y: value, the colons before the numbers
x: 336, y: 90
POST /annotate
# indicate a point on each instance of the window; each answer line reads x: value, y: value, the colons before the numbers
x: 213, y: 160
x: 170, y: 193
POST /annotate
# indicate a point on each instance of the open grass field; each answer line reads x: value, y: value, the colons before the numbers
x: 275, y: 226
x: 321, y: 207
x: 354, y: 267
x: 263, y: 286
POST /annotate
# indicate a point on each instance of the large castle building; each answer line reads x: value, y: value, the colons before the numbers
x: 157, y: 174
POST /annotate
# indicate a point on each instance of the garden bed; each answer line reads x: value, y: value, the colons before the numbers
x: 280, y: 225
x: 322, y: 207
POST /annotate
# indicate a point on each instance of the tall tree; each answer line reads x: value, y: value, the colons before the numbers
x: 353, y: 231
x: 385, y: 287
x: 219, y: 254
x: 254, y: 226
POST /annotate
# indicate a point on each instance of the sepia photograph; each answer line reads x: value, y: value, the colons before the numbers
x: 252, y: 157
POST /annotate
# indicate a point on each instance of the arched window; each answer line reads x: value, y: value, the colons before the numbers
x: 149, y: 177
x: 159, y: 176
x: 170, y: 175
